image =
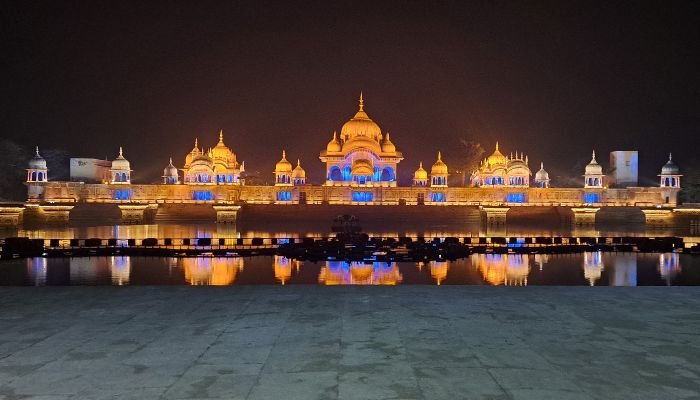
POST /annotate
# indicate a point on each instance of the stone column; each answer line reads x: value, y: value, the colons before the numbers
x: 657, y: 217
x: 11, y: 215
x: 55, y: 214
x: 494, y: 215
x: 584, y: 215
x: 132, y: 213
x: 226, y: 214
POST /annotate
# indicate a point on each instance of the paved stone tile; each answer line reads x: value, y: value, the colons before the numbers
x: 547, y: 394
x: 518, y: 378
x: 458, y: 383
x: 296, y: 385
x: 208, y: 381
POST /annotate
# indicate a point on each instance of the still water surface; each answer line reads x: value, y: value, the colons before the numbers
x: 591, y: 268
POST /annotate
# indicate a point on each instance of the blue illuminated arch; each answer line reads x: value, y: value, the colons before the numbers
x: 388, y: 174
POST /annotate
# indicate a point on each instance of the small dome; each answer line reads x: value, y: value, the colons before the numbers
x: 221, y: 151
x: 670, y: 168
x: 298, y: 172
x: 283, y: 166
x: 593, y: 168
x: 360, y: 125
x: 439, y: 168
x: 202, y: 158
x: 542, y: 174
x: 170, y: 171
x: 517, y: 163
x: 37, y: 162
x: 362, y: 167
x: 387, y: 146
x: 195, y: 151
x: 420, y: 174
x: 334, y: 145
x: 120, y: 163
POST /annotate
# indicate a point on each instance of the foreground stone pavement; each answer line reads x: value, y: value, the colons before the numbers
x: 308, y: 342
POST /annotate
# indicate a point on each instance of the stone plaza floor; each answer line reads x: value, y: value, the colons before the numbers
x: 309, y: 342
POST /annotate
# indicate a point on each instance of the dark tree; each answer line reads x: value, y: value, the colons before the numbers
x: 462, y: 159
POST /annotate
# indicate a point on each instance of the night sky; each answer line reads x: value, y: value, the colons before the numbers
x: 553, y: 79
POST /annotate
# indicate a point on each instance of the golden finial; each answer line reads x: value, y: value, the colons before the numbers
x: 284, y: 154
x: 171, y: 160
x: 298, y: 163
x: 439, y: 156
x: 541, y: 164
x: 335, y: 135
x: 420, y: 165
x: 496, y: 145
x: 593, y: 159
x: 221, y: 136
x: 362, y: 102
x: 196, y: 145
x: 120, y: 152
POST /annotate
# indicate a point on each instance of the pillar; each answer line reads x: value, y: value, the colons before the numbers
x: 226, y: 214
x: 584, y: 215
x: 132, y: 213
x: 657, y: 217
x: 54, y: 214
x: 495, y: 215
x: 11, y: 215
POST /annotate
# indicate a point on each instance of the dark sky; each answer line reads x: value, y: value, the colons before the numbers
x: 552, y: 79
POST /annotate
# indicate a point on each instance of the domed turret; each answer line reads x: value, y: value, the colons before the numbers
x: 298, y: 174
x: 496, y: 158
x: 37, y: 171
x: 121, y: 169
x: 283, y: 171
x: 360, y: 125
x: 420, y: 177
x: 593, y: 178
x: 334, y: 145
x: 593, y: 168
x: 37, y: 162
x: 438, y: 172
x: 542, y: 177
x: 387, y: 146
x: 170, y: 174
x: 194, y: 152
x: 670, y: 168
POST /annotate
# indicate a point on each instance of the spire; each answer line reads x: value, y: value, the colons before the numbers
x: 496, y: 145
x: 593, y: 159
x: 335, y: 135
x: 120, y: 152
x: 541, y: 164
x: 242, y: 169
x: 420, y: 165
x: 171, y: 160
x: 387, y: 136
x: 284, y: 154
x: 439, y: 156
x: 221, y: 136
x: 670, y: 157
x: 527, y: 161
x: 37, y: 152
x: 362, y: 102
x: 298, y: 163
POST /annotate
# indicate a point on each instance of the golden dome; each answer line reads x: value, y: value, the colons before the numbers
x: 439, y: 168
x: 334, y: 144
x: 283, y: 166
x: 221, y: 151
x: 298, y: 172
x: 362, y: 167
x: 362, y: 142
x: 360, y: 125
x: 387, y: 146
x: 420, y: 174
x: 195, y: 151
x: 497, y: 158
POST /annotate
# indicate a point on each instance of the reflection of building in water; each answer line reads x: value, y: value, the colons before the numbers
x: 503, y: 269
x: 438, y: 270
x: 592, y: 266
x: 625, y: 270
x: 121, y: 269
x: 359, y: 273
x: 215, y: 271
x: 37, y: 270
x: 669, y: 266
x: 89, y: 270
x: 541, y: 260
x: 284, y: 267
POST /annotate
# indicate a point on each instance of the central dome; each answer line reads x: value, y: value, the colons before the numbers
x: 360, y: 125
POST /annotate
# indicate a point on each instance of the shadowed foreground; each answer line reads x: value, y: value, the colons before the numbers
x: 309, y: 342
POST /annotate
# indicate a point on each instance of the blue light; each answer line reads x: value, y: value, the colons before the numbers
x: 591, y: 198
x: 516, y: 198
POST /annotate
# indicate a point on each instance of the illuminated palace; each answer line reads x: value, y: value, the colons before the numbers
x: 361, y: 164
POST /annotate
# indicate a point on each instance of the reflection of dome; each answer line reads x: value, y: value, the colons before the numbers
x: 362, y: 168
x: 360, y: 125
x: 170, y: 171
x: 121, y: 163
x: 593, y: 168
x: 298, y: 172
x: 670, y: 168
x: 334, y: 144
x: 37, y: 162
x: 420, y: 174
x: 387, y: 146
x: 211, y: 271
x: 283, y: 166
x: 497, y: 158
x: 439, y: 168
x: 542, y: 175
